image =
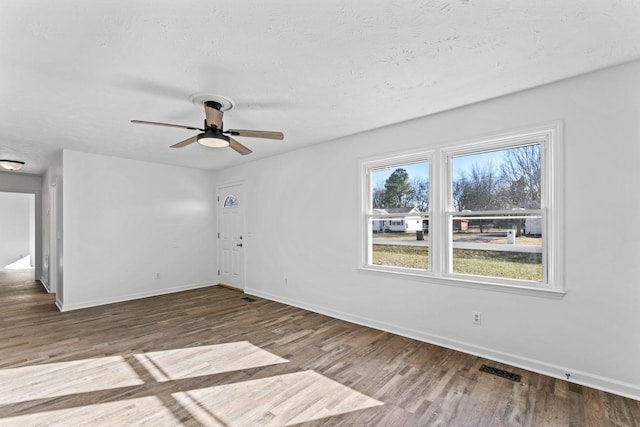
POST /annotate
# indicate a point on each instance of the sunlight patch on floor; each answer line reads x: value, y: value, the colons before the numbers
x: 64, y: 378
x: 22, y: 264
x: 205, y: 360
x: 278, y: 400
x: 275, y: 401
x: 141, y: 411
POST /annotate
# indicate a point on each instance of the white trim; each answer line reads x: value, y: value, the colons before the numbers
x: 229, y: 184
x: 129, y: 297
x: 520, y: 213
x: 393, y: 159
x: 463, y: 281
x: 587, y: 379
x: 554, y: 229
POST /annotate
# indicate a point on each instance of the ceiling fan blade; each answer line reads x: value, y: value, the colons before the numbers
x: 256, y: 133
x: 144, y: 122
x: 214, y: 117
x: 185, y: 142
x: 235, y: 145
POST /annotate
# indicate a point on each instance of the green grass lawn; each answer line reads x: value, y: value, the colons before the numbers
x: 401, y: 256
x: 510, y: 265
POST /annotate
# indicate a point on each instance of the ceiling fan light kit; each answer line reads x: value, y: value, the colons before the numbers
x: 210, y: 138
x: 11, y: 165
x: 213, y: 134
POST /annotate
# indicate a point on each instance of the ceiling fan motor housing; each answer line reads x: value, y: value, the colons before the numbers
x: 213, y: 104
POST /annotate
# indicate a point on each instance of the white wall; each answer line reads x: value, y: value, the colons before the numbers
x: 15, y: 226
x: 127, y: 221
x: 295, y: 256
x: 20, y: 182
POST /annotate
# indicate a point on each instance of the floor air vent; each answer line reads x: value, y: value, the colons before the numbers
x: 249, y: 299
x: 501, y: 373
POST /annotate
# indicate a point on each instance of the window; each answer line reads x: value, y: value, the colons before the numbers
x: 480, y: 213
x: 398, y: 218
x: 230, y: 201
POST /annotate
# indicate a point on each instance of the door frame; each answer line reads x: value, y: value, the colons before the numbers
x: 53, y: 237
x: 38, y: 227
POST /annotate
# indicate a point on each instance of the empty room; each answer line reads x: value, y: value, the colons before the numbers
x: 332, y: 213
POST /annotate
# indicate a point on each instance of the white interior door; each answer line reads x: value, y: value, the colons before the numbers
x: 231, y: 239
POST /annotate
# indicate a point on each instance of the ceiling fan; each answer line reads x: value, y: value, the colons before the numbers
x: 213, y: 134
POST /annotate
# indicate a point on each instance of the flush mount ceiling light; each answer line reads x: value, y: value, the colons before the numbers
x: 213, y: 137
x: 11, y: 165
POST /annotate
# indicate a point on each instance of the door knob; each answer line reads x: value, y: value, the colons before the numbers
x: 239, y: 244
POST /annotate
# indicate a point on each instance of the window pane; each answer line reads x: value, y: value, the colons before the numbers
x: 401, y: 186
x: 401, y: 242
x: 400, y: 197
x: 498, y: 246
x: 500, y: 179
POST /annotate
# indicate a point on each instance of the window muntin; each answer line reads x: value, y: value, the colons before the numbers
x: 398, y: 215
x: 532, y: 264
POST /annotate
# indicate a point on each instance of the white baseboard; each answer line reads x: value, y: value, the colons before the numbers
x: 129, y: 297
x: 578, y: 377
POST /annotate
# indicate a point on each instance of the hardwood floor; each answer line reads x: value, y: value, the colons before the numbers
x: 208, y: 357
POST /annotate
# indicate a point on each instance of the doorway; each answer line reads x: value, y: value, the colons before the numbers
x: 18, y: 231
x: 231, y: 241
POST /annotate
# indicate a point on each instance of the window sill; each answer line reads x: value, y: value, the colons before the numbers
x: 465, y: 283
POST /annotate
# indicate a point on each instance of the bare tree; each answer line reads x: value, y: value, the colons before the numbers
x: 477, y: 189
x: 461, y: 193
x: 520, y: 177
x: 419, y: 194
x: 378, y: 197
x: 515, y: 185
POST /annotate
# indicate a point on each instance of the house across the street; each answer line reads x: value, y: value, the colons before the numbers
x: 407, y: 219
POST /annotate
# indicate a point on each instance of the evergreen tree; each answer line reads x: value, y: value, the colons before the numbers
x: 397, y: 189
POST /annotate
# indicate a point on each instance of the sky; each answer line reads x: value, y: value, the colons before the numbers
x: 463, y: 164
x: 414, y: 170
x: 460, y: 164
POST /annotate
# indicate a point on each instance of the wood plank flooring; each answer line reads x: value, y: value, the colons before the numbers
x: 207, y: 357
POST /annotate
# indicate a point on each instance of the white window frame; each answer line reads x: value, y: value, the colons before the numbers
x: 367, y: 167
x: 550, y: 138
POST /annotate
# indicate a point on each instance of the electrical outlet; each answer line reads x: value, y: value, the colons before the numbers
x: 476, y: 318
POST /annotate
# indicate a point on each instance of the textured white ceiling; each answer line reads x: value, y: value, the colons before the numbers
x: 74, y: 73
